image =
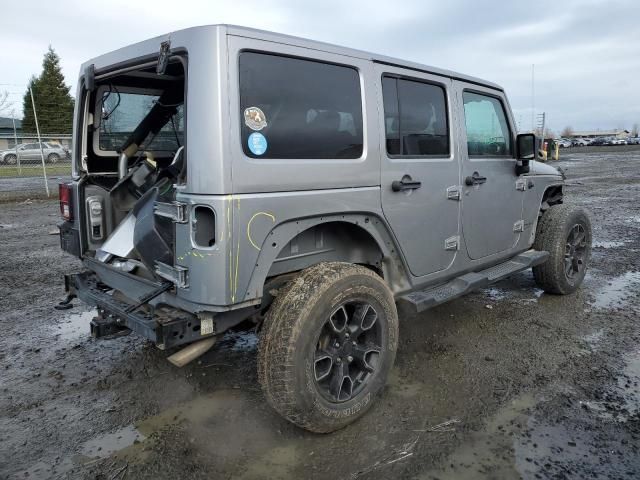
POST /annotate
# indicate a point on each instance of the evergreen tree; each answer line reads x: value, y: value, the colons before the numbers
x: 54, y: 103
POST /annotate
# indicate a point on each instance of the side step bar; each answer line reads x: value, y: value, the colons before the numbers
x: 424, y: 299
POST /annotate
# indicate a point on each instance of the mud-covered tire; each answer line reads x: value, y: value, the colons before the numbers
x: 304, y: 312
x: 558, y: 232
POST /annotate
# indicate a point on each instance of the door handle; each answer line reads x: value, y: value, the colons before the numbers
x: 474, y: 179
x: 405, y: 184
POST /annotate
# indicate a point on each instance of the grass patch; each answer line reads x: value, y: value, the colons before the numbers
x: 33, y: 171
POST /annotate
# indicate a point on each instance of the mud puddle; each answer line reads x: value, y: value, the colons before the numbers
x: 238, y: 341
x: 556, y: 434
x: 621, y: 402
x: 74, y: 326
x: 616, y: 293
x: 608, y: 244
x: 107, y: 444
x: 96, y: 448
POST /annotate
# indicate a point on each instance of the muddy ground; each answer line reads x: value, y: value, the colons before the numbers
x: 508, y: 382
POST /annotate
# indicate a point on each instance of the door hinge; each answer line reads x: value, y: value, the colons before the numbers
x: 176, y: 211
x: 452, y: 243
x: 453, y: 193
x: 178, y: 275
x: 521, y: 184
x: 518, y: 226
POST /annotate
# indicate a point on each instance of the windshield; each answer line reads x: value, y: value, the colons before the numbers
x: 123, y: 112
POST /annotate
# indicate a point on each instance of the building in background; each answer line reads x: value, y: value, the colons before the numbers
x: 7, y: 139
x: 7, y: 136
x: 617, y: 133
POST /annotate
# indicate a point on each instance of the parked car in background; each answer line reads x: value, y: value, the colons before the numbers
x: 600, y: 141
x: 633, y: 141
x: 580, y: 142
x: 30, y: 153
x: 618, y: 141
x: 563, y: 142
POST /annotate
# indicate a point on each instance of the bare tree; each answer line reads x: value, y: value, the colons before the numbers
x: 567, y: 132
x: 5, y: 104
x: 634, y: 130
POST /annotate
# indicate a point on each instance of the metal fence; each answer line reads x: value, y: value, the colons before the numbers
x: 33, y: 169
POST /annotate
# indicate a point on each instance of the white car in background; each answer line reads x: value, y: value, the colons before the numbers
x: 580, y: 142
x: 563, y: 142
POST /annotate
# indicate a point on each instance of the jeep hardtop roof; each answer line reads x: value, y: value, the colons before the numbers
x: 195, y: 34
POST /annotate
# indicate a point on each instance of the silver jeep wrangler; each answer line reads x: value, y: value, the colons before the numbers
x: 224, y: 175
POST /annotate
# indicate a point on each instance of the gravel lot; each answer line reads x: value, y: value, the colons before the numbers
x: 505, y: 383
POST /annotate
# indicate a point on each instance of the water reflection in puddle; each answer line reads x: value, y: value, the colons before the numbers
x: 239, y: 341
x: 615, y: 293
x: 594, y: 339
x: 607, y: 244
x: 495, y: 293
x: 106, y: 444
x: 623, y: 401
x: 74, y: 325
x: 98, y: 447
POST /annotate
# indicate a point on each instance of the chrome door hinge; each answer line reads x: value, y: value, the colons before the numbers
x: 453, y: 193
x: 518, y: 226
x: 177, y: 275
x: 176, y: 211
x: 521, y: 184
x: 452, y: 243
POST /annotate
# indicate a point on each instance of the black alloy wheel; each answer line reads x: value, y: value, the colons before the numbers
x: 575, y: 252
x: 348, y: 351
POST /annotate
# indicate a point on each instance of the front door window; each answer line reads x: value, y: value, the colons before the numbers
x: 487, y: 127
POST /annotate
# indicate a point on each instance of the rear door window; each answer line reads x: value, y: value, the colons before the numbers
x: 488, y: 132
x: 299, y: 109
x: 122, y: 112
x: 415, y: 118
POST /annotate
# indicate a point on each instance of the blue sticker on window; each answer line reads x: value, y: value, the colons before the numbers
x: 257, y: 143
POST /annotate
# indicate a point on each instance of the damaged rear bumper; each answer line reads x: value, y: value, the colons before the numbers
x: 165, y: 326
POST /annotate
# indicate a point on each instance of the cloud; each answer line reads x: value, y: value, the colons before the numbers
x: 584, y: 50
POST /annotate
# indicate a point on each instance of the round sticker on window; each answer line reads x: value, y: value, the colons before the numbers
x: 257, y: 143
x: 254, y: 118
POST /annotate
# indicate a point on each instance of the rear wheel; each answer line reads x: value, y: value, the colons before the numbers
x: 565, y: 232
x: 53, y: 158
x: 10, y: 159
x: 327, y: 346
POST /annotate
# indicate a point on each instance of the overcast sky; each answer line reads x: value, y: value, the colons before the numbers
x: 586, y: 52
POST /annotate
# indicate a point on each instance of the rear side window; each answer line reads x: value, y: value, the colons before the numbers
x: 488, y: 132
x: 303, y: 109
x: 415, y: 115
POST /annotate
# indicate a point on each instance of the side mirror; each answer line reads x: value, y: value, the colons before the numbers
x: 525, y: 151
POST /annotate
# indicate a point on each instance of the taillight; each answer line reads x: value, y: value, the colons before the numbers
x: 66, y: 200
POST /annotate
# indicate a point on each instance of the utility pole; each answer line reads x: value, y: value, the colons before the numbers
x: 35, y: 117
x: 15, y: 140
x: 533, y: 98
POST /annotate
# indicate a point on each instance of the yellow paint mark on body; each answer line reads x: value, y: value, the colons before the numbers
x: 256, y: 215
x: 235, y: 283
x: 229, y: 203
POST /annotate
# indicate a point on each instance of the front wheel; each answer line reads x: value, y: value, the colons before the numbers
x: 565, y: 232
x: 53, y: 158
x: 10, y: 159
x: 327, y: 346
